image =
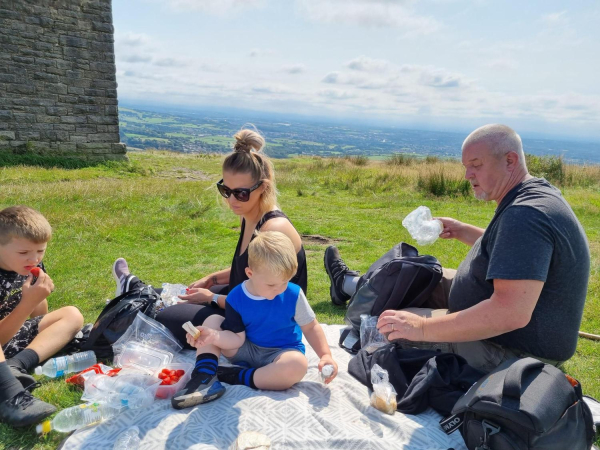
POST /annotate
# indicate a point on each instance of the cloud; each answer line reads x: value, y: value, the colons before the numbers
x: 259, y: 52
x: 130, y: 39
x: 219, y: 7
x: 336, y: 94
x: 553, y: 19
x: 136, y: 58
x: 294, y: 69
x: 369, y: 13
x: 170, y: 62
x: 364, y: 64
x: 502, y: 64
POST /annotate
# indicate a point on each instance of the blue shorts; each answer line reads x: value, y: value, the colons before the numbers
x: 252, y: 355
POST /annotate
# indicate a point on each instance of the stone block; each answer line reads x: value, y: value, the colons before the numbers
x: 6, y: 115
x: 52, y: 88
x: 119, y: 148
x: 46, y: 77
x: 86, y: 129
x: 70, y: 41
x: 7, y: 135
x: 94, y: 92
x: 77, y: 138
x: 56, y: 111
x: 86, y: 109
x: 20, y: 89
x: 43, y: 118
x: 73, y: 119
x: 24, y: 117
x: 102, y: 67
x: 8, y: 78
x: 23, y: 60
x: 104, y: 137
x: 64, y: 127
x: 75, y: 90
x: 69, y: 99
x: 102, y: 27
x: 28, y: 135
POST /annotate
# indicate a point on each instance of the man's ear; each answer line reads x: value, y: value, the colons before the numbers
x: 248, y: 272
x: 512, y: 161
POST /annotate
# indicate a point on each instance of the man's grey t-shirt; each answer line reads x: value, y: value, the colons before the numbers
x: 534, y: 235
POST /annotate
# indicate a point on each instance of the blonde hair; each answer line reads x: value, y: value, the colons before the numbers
x: 274, y: 251
x: 248, y: 157
x: 23, y: 222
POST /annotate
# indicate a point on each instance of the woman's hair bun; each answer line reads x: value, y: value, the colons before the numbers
x: 248, y: 140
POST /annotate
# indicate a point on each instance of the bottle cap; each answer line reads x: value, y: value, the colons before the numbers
x: 38, y: 370
x: 44, y: 427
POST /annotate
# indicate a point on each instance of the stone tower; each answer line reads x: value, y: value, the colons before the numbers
x: 58, y: 89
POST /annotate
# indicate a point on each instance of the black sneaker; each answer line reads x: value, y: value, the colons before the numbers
x: 24, y: 378
x: 196, y: 391
x: 24, y: 409
x: 337, y: 270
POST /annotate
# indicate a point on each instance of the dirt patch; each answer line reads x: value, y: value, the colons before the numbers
x: 184, y: 174
x: 317, y: 239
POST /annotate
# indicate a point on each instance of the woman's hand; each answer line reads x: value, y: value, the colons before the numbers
x: 328, y: 360
x: 207, y: 336
x: 452, y: 227
x: 203, y: 283
x: 198, y: 296
x: 401, y: 325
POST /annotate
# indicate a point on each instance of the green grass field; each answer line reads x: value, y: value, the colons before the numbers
x: 171, y: 226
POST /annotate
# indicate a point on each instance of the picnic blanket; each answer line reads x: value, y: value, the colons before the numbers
x: 307, y: 416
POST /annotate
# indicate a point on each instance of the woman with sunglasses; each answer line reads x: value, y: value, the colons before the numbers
x: 248, y: 185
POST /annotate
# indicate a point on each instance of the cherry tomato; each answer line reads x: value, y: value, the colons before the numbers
x: 167, y: 371
x: 174, y: 379
x: 167, y: 380
x: 172, y: 373
x: 162, y: 376
x: 179, y: 372
x: 35, y: 271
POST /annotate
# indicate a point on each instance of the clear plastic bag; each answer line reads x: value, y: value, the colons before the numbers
x: 370, y: 337
x: 131, y: 390
x: 148, y: 332
x: 422, y: 226
x: 169, y: 296
x: 384, y: 395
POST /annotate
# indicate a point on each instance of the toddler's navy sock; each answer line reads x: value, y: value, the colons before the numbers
x: 237, y: 375
x: 206, y: 366
x: 9, y: 385
x: 26, y: 359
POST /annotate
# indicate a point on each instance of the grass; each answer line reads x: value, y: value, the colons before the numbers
x: 175, y: 230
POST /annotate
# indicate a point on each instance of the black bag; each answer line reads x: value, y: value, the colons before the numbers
x: 523, y: 404
x: 399, y: 279
x: 116, y: 317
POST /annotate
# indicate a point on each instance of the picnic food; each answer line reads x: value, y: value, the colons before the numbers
x: 35, y: 271
x: 252, y: 440
x: 191, y: 329
x: 169, y: 376
x: 387, y: 406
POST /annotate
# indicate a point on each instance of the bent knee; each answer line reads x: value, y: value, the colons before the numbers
x: 72, y: 316
x: 296, y: 368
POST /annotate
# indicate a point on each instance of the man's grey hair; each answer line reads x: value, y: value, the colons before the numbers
x: 499, y: 139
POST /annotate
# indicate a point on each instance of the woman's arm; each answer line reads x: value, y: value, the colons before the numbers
x: 213, y: 279
x: 284, y: 226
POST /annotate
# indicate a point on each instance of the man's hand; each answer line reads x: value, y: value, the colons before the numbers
x: 33, y: 295
x: 452, y: 228
x: 401, y: 325
x: 203, y: 283
x: 198, y: 296
x: 207, y: 336
x: 325, y: 360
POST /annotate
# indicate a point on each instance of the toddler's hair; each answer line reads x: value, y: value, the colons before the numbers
x: 23, y: 222
x: 274, y: 251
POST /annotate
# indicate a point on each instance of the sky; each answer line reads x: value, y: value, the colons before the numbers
x: 448, y: 65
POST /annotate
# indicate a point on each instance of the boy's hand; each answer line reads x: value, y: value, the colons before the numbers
x: 33, y: 295
x: 198, y: 296
x: 328, y: 359
x: 207, y: 336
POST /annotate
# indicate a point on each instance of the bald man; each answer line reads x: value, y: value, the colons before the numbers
x: 521, y: 289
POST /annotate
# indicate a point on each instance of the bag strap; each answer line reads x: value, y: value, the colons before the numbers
x: 514, y: 376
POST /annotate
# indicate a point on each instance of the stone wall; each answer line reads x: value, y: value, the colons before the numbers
x: 58, y: 89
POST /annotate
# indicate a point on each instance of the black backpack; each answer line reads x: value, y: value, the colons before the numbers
x: 523, y: 404
x: 116, y: 317
x: 399, y: 279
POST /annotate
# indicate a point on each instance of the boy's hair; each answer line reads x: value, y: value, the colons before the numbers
x: 23, y: 222
x: 274, y: 251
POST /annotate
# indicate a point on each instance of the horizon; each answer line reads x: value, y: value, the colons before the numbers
x: 435, y: 65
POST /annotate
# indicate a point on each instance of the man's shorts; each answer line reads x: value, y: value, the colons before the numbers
x: 252, y: 355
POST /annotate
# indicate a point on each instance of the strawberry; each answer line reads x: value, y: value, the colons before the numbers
x: 179, y: 373
x: 35, y: 271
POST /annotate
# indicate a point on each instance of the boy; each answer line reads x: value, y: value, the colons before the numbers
x: 265, y: 317
x: 28, y: 333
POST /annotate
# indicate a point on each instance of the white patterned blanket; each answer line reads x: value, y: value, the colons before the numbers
x: 308, y: 416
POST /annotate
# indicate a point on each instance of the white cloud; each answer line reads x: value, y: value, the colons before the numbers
x: 170, y: 62
x: 130, y: 39
x: 294, y: 69
x: 136, y: 58
x: 369, y: 13
x: 502, y: 64
x: 336, y: 94
x: 219, y: 7
x: 259, y: 52
x: 553, y: 19
x: 364, y: 64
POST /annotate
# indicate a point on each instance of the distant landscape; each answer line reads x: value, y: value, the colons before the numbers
x: 210, y: 132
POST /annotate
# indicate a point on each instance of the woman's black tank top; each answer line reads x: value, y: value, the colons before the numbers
x: 240, y: 262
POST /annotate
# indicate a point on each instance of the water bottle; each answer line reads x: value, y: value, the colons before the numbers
x: 77, y: 417
x: 57, y: 367
x: 128, y: 391
x: 422, y: 226
x: 326, y: 372
x: 128, y: 439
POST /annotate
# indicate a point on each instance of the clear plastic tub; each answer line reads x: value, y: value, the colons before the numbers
x: 169, y: 390
x: 143, y: 358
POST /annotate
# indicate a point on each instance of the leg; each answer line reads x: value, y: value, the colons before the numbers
x: 55, y: 330
x: 288, y: 369
x: 337, y: 271
x: 175, y: 316
x: 439, y: 296
x: 40, y: 310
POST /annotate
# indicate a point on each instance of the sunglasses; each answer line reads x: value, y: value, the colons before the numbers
x: 240, y: 194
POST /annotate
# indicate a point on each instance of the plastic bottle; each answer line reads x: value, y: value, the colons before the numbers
x: 57, y: 367
x: 422, y: 226
x: 78, y: 416
x: 128, y: 439
x: 129, y: 391
x: 326, y: 372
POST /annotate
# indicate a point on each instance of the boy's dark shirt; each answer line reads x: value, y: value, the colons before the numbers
x: 11, y: 284
x: 534, y: 235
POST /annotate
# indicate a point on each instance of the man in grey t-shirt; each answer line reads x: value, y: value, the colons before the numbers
x: 521, y: 289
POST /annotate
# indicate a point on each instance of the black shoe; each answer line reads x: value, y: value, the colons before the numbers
x: 198, y: 391
x: 24, y: 409
x: 337, y: 270
x: 24, y: 378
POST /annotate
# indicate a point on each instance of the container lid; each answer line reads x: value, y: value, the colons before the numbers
x: 139, y: 356
x: 38, y: 370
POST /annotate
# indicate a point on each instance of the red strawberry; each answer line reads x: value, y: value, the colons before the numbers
x: 35, y: 271
x: 179, y: 372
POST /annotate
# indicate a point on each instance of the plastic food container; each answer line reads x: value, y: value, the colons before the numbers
x: 169, y: 390
x: 141, y: 357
